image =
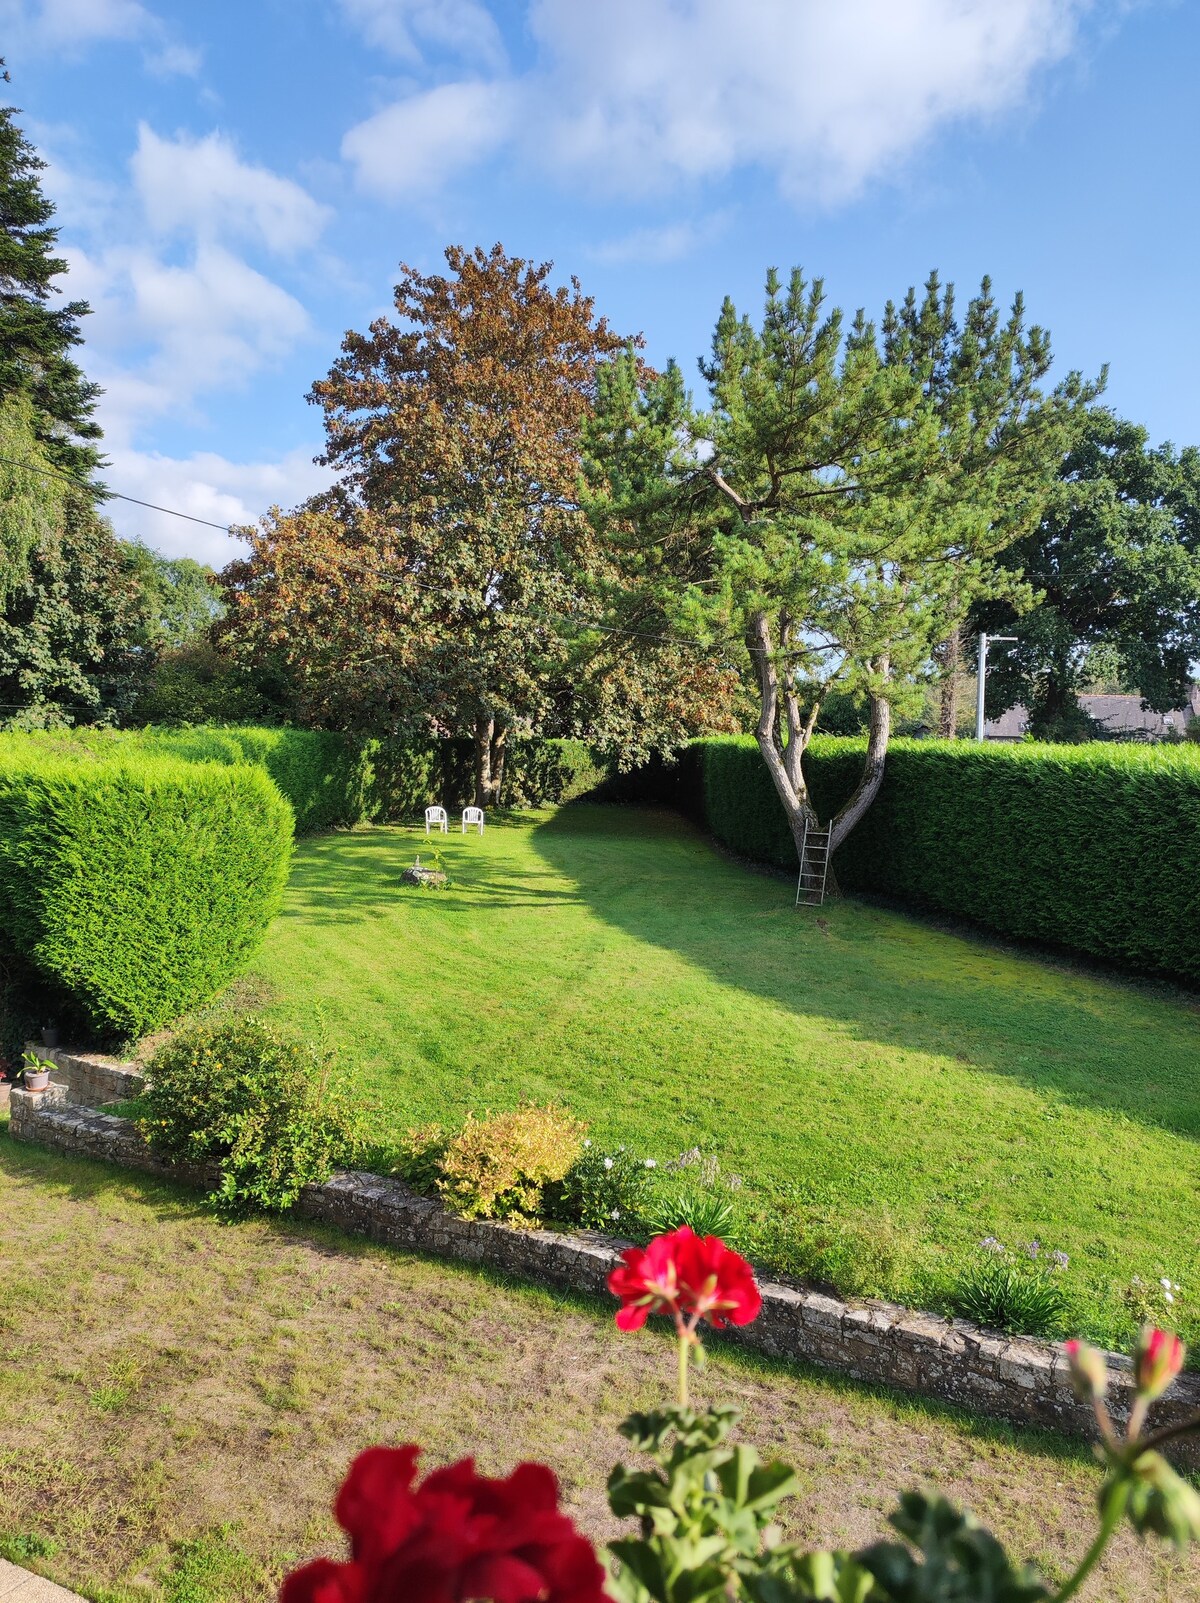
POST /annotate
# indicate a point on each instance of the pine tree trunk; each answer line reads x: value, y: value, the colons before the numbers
x: 784, y: 758
x: 951, y: 686
x: 871, y: 778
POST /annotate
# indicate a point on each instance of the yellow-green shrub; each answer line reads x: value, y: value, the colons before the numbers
x: 496, y: 1167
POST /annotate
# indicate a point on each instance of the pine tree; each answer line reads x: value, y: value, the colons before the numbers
x: 36, y: 338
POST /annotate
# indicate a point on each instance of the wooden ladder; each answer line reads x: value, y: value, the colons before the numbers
x: 814, y: 867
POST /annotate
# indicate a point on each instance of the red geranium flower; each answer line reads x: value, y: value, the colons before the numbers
x: 692, y: 1277
x: 1157, y: 1361
x: 456, y: 1538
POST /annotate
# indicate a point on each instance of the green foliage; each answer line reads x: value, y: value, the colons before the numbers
x: 72, y: 625
x: 604, y: 1190
x: 858, y: 1253
x: 335, y: 780
x: 1116, y: 563
x: 703, y: 1508
x: 691, y: 1190
x: 708, y: 1527
x: 22, y: 1546
x: 761, y: 524
x: 418, y: 1157
x: 136, y: 886
x: 181, y: 597
x: 1019, y: 1292
x: 30, y: 501
x: 257, y: 1101
x: 1094, y: 848
x: 497, y: 1167
x: 197, y: 684
x: 536, y: 772
x: 35, y: 339
x: 707, y: 1212
x: 955, y: 1559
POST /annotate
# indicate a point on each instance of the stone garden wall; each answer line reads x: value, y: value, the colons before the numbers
x: 1024, y: 1381
x: 90, y: 1080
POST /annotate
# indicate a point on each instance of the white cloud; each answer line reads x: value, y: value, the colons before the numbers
x: 462, y: 27
x: 669, y: 243
x: 71, y: 25
x: 644, y: 95
x: 418, y: 144
x: 216, y: 320
x: 209, y: 486
x: 827, y: 96
x: 203, y: 186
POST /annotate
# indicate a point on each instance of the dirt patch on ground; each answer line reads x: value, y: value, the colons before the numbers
x: 183, y: 1396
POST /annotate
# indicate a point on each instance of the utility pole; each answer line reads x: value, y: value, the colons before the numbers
x: 984, y: 641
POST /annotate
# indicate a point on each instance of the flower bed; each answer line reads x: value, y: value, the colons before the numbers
x: 1022, y: 1380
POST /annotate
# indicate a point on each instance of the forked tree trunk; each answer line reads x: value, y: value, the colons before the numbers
x: 490, y: 746
x: 779, y: 710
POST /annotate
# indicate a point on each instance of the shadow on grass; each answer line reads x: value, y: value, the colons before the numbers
x: 1105, y: 1042
x: 90, y: 1180
x: 349, y: 876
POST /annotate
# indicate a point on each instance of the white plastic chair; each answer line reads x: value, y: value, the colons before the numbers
x: 437, y: 815
x: 472, y: 815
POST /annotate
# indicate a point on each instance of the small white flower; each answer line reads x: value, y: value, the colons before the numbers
x: 1168, y: 1297
x: 608, y: 1163
x: 1165, y: 1283
x: 587, y: 1143
x: 615, y: 1214
x: 650, y: 1163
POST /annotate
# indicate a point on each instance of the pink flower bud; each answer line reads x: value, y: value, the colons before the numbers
x: 1089, y: 1372
x: 1157, y: 1361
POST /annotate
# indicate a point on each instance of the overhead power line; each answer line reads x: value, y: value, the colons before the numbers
x: 445, y: 592
x: 114, y: 495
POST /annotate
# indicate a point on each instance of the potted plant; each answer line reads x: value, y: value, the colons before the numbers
x: 35, y: 1073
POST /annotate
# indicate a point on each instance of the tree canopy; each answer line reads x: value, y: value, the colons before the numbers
x: 445, y: 584
x: 837, y: 509
x: 36, y: 337
x: 1115, y: 563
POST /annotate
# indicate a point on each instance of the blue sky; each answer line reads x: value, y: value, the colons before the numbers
x: 237, y: 182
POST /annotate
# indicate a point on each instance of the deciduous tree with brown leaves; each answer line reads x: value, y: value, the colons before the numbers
x: 444, y: 585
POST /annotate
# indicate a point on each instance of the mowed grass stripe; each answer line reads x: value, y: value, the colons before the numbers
x: 846, y: 1062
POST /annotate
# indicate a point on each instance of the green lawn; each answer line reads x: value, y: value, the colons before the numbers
x: 892, y: 1091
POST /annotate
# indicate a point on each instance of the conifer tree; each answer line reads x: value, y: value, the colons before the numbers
x: 37, y: 336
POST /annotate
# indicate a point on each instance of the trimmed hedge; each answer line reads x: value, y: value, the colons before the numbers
x: 135, y: 885
x: 1093, y: 848
x: 335, y: 780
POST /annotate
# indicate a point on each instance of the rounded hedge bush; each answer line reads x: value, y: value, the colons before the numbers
x: 136, y: 886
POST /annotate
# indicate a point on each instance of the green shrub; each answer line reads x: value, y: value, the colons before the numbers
x: 708, y: 1213
x: 1018, y: 1292
x: 258, y: 1102
x: 497, y: 1167
x: 135, y: 886
x: 418, y: 1158
x: 603, y: 1190
x: 1094, y: 848
x: 692, y: 1191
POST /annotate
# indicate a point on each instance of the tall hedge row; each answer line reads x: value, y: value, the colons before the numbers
x: 1094, y: 848
x: 334, y: 780
x: 134, y: 885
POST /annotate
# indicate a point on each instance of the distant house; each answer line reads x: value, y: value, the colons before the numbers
x: 1123, y: 717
